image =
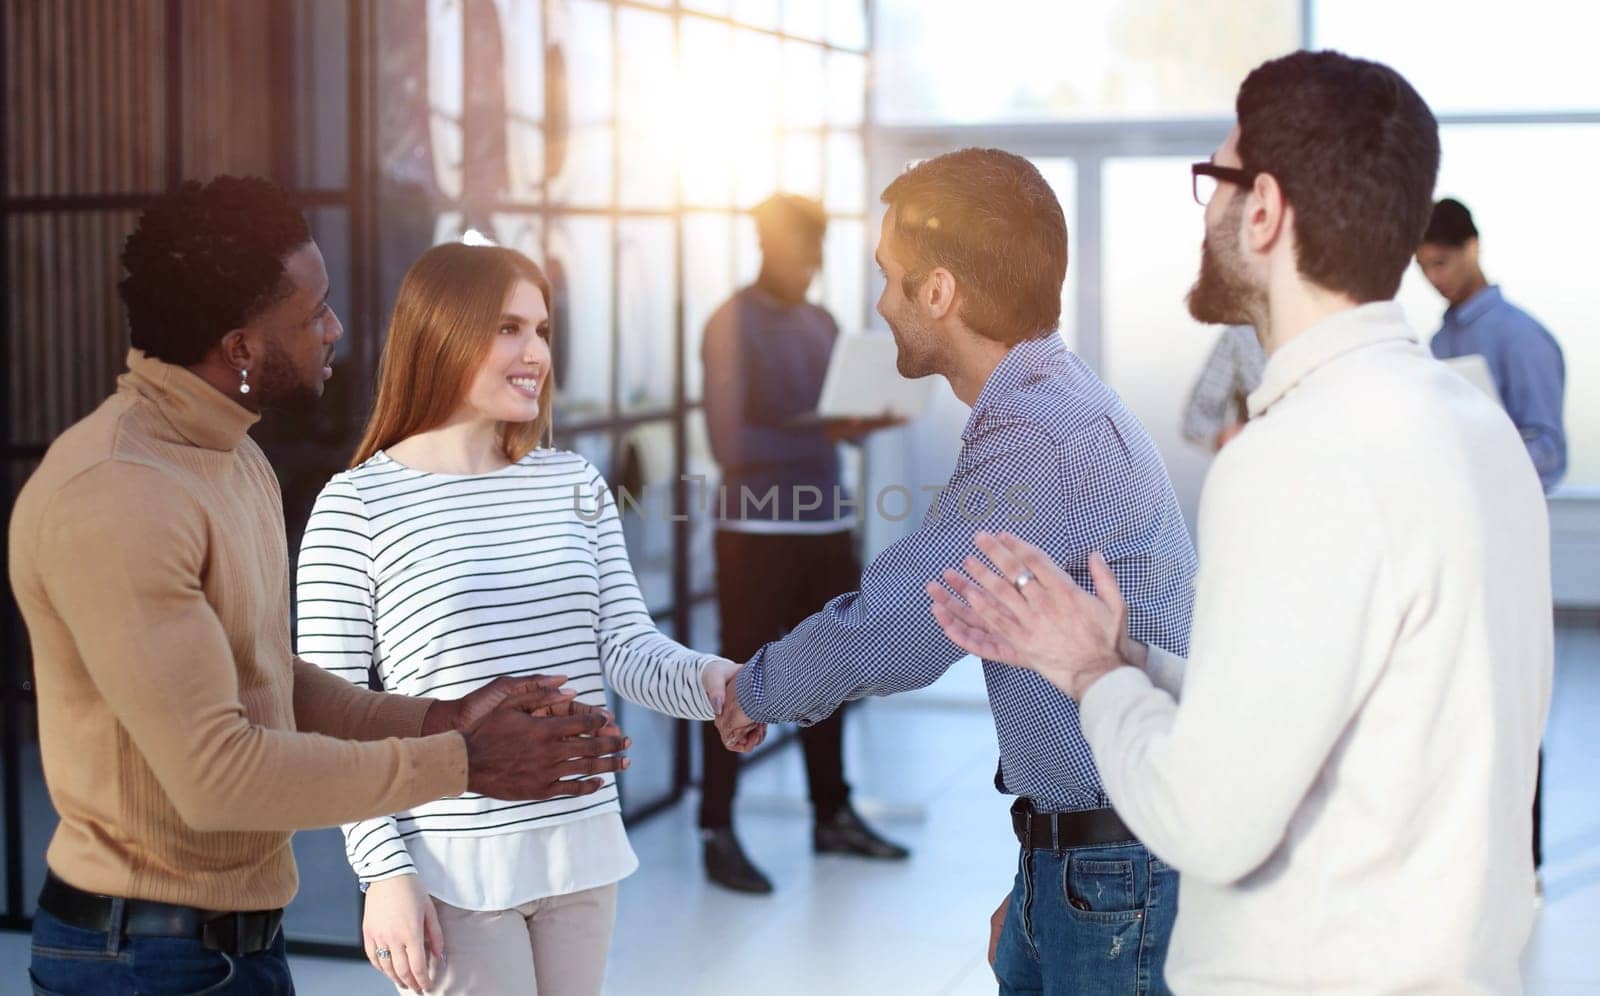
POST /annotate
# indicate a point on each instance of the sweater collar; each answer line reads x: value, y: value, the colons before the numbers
x: 198, y: 412
x: 1324, y: 342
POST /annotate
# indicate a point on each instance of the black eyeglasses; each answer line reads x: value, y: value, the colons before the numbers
x: 1205, y: 177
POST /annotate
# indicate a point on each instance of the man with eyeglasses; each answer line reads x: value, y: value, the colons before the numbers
x: 1343, y: 768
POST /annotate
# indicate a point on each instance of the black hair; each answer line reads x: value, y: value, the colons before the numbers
x: 1356, y: 152
x: 204, y: 260
x: 1451, y: 224
x: 989, y: 218
x: 791, y: 213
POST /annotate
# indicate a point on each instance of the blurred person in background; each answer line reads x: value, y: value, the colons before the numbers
x: 1218, y: 407
x: 1525, y: 360
x: 766, y: 353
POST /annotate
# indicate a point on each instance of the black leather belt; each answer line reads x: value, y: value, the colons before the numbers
x: 230, y: 933
x: 1062, y: 831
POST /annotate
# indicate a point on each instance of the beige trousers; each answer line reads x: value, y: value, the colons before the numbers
x: 550, y: 947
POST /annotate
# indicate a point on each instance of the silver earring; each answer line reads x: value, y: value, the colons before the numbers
x: 244, y: 382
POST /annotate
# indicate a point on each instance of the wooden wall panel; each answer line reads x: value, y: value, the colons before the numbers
x: 84, y: 84
x: 69, y: 332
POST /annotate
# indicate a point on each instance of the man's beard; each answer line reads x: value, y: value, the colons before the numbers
x: 1221, y: 295
x: 281, y: 386
x: 917, y: 352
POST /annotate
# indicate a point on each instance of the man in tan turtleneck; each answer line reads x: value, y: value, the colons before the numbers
x: 182, y: 739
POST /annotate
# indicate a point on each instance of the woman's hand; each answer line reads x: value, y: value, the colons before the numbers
x: 714, y: 677
x: 400, y: 920
x: 717, y: 679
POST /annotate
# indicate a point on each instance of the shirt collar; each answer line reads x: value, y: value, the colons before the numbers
x: 1020, y: 364
x: 1475, y: 307
x: 1347, y: 331
x: 200, y: 413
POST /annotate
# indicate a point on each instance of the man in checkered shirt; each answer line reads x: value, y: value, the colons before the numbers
x: 973, y: 252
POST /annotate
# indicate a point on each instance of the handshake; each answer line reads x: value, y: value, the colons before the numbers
x: 529, y: 738
x: 739, y: 732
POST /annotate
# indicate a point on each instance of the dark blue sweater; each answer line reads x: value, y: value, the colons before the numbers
x: 764, y: 364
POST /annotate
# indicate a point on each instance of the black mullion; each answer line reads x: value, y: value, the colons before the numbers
x: 174, y: 96
x: 360, y: 81
x: 12, y: 745
x: 867, y: 132
x: 546, y: 217
x: 282, y: 73
x: 616, y: 210
x: 681, y: 775
x: 868, y: 135
x: 133, y: 201
x: 622, y: 423
x: 615, y: 406
x: 360, y: 87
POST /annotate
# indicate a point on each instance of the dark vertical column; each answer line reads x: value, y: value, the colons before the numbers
x: 174, y: 97
x: 682, y: 597
x: 285, y: 100
x: 362, y: 117
x: 10, y: 679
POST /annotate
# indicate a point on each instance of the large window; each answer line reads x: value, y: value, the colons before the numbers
x: 1475, y: 56
x: 619, y: 143
x: 956, y: 62
x: 1131, y: 91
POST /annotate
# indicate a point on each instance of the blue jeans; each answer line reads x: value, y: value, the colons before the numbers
x: 69, y: 960
x: 1094, y: 921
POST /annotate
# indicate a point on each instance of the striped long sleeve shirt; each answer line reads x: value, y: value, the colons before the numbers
x: 443, y: 582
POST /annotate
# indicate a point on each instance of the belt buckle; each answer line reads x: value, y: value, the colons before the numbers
x: 1027, y: 829
x: 221, y: 933
x: 228, y: 933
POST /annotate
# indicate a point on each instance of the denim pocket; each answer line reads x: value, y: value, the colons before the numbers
x: 55, y: 971
x: 40, y: 990
x: 180, y: 965
x: 225, y: 981
x: 1101, y: 890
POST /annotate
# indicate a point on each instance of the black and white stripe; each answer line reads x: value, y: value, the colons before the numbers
x: 446, y: 582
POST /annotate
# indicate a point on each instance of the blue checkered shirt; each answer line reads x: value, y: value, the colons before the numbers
x: 1052, y: 455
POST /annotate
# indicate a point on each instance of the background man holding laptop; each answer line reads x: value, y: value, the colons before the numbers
x: 766, y: 353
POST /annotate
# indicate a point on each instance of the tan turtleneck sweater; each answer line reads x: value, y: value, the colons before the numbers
x: 182, y: 739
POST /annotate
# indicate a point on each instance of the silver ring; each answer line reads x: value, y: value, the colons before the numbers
x: 382, y: 953
x: 1023, y: 579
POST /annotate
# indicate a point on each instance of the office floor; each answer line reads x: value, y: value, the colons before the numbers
x: 923, y: 764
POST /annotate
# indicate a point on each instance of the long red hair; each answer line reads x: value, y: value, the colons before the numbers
x: 445, y: 319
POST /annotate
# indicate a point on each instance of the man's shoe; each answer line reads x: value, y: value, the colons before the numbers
x: 727, y: 866
x: 847, y: 833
